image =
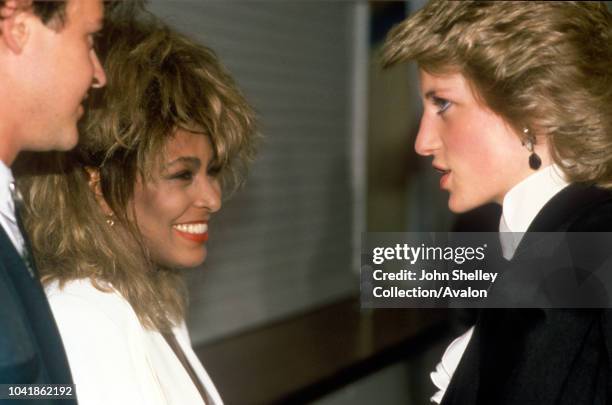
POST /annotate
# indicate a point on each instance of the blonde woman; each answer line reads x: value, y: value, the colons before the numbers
x: 113, y: 223
x: 518, y: 111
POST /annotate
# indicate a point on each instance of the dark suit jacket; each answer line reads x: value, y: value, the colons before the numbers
x: 543, y: 356
x: 31, y: 351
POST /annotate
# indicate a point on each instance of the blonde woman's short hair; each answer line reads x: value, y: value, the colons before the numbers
x: 546, y: 66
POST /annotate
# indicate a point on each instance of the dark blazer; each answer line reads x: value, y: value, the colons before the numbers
x: 543, y: 356
x: 31, y: 351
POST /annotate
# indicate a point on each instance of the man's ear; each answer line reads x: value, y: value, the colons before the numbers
x: 15, y: 19
x: 96, y: 188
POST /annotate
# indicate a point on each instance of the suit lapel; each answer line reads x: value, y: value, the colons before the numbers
x: 500, y: 336
x: 10, y: 256
x: 565, y: 206
x: 463, y: 387
x: 33, y: 304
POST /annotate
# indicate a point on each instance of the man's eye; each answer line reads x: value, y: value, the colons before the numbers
x: 92, y: 39
x: 441, y: 103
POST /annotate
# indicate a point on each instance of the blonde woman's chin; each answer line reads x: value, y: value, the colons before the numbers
x: 459, y: 204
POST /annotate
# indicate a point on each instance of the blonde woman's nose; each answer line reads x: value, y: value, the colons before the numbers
x: 427, y: 140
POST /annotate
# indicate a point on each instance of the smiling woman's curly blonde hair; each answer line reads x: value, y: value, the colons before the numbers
x: 543, y: 65
x: 158, y: 81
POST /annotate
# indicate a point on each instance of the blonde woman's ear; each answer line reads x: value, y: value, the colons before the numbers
x: 96, y: 188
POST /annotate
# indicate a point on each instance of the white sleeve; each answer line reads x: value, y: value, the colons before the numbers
x: 106, y: 363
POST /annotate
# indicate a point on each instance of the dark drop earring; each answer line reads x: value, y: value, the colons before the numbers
x: 534, y: 160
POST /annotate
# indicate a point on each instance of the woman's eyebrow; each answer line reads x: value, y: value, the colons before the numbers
x: 191, y: 160
x: 430, y: 94
x: 440, y: 92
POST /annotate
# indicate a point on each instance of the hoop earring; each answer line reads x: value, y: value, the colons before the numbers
x: 534, y: 160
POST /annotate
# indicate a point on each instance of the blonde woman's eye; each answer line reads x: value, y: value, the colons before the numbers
x: 441, y: 103
x: 183, y: 175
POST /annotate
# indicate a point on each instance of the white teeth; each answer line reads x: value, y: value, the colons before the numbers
x: 192, y: 228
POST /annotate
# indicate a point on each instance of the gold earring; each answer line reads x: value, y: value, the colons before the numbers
x: 109, y: 220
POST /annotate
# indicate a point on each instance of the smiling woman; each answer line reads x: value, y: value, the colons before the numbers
x: 172, y: 212
x: 113, y: 221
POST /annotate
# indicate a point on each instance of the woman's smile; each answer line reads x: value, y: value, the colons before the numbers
x: 194, y: 231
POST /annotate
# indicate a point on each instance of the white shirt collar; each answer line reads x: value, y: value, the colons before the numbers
x: 6, y: 199
x: 8, y: 219
x: 523, y: 202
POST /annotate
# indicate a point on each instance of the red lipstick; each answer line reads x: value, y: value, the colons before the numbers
x: 196, y: 237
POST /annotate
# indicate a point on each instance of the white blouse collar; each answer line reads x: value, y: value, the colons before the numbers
x: 523, y: 202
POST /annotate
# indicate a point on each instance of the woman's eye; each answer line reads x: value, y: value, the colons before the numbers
x: 183, y: 175
x: 213, y: 168
x: 441, y: 103
x: 213, y: 171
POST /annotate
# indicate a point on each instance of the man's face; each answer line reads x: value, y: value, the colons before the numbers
x: 64, y: 65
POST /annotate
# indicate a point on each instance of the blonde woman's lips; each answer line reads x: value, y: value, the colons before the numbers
x: 194, y: 231
x: 444, y: 179
x: 445, y: 175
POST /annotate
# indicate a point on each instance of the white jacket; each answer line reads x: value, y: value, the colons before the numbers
x: 114, y: 360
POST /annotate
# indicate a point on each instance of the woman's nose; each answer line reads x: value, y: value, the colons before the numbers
x: 427, y: 140
x: 209, y: 194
